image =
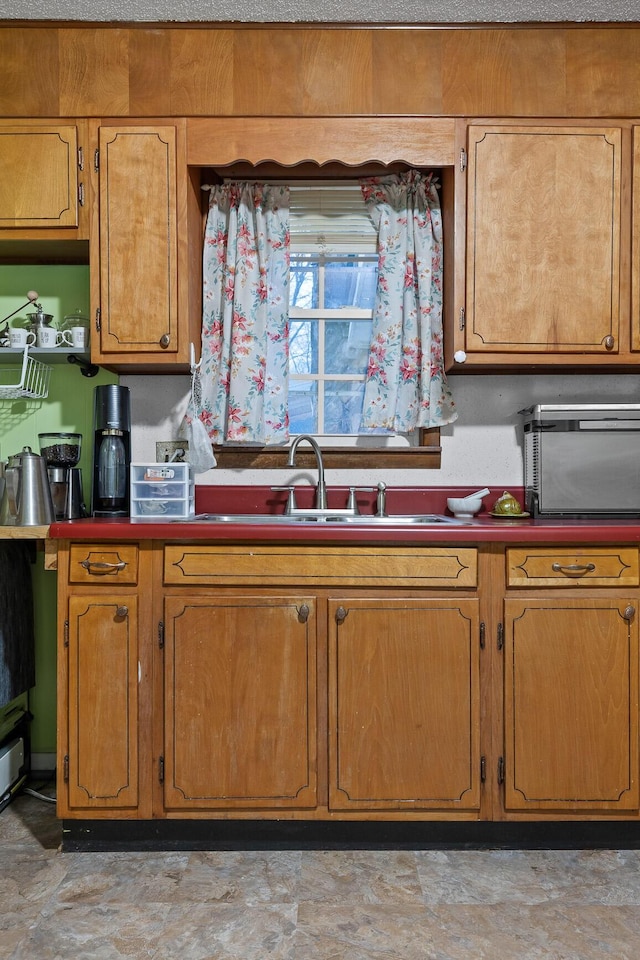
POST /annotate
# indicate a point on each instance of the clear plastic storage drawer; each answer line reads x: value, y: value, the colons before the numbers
x: 162, y: 490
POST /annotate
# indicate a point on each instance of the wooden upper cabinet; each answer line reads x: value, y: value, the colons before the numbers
x: 543, y: 242
x: 41, y: 179
x: 142, y: 189
x: 635, y: 254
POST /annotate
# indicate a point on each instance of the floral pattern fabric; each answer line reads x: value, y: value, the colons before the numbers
x: 406, y: 385
x: 242, y: 378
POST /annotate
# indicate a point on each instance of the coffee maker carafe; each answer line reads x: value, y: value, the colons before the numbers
x: 111, y: 451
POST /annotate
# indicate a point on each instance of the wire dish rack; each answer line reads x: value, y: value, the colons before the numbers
x: 28, y: 382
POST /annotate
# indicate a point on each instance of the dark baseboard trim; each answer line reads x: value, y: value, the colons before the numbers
x: 143, y: 835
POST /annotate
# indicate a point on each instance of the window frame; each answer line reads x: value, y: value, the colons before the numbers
x: 398, y: 143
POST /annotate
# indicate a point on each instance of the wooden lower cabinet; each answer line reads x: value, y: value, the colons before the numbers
x: 100, y: 762
x: 404, y: 705
x: 240, y: 703
x: 571, y: 704
x: 247, y: 682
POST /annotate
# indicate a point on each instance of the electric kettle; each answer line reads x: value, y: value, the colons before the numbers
x: 26, y: 501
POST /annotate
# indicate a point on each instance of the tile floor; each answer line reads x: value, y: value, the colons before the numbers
x: 309, y: 905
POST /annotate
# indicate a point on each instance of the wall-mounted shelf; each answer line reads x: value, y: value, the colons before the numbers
x: 29, y: 381
x: 50, y: 354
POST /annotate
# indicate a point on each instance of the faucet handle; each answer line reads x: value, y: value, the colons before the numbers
x: 381, y: 500
x: 352, y: 503
x: 291, y: 499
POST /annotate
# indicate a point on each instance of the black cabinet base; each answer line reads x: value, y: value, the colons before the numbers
x: 140, y: 835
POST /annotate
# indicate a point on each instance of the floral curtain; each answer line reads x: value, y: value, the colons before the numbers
x: 406, y: 385
x: 239, y: 391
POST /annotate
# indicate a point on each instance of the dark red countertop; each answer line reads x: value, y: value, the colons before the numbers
x: 406, y: 500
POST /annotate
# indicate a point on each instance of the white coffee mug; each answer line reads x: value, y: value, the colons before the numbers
x: 48, y: 337
x: 78, y: 337
x: 19, y: 337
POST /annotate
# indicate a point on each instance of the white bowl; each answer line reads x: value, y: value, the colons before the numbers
x: 464, y: 508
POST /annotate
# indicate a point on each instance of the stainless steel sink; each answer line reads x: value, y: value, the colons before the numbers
x: 423, y: 519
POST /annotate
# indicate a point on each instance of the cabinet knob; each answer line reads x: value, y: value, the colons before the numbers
x: 165, y: 340
x: 341, y: 615
x: 629, y: 612
x: 303, y: 612
x: 122, y: 612
x: 609, y: 342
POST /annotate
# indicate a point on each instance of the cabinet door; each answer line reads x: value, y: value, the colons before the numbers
x: 404, y: 704
x: 39, y: 175
x: 138, y: 298
x: 101, y: 769
x: 571, y: 704
x: 240, y: 702
x: 635, y: 272
x: 543, y: 239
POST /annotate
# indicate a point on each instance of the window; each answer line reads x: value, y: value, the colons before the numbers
x: 333, y: 280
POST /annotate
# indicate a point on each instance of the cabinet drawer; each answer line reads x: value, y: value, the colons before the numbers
x: 571, y: 566
x: 103, y: 563
x: 331, y: 566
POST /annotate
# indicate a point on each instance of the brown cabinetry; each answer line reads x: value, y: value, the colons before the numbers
x: 44, y: 192
x: 103, y: 686
x: 239, y: 702
x: 247, y: 696
x: 635, y: 254
x: 571, y: 682
x: 140, y: 280
x: 544, y: 242
x: 404, y: 706
x: 214, y: 680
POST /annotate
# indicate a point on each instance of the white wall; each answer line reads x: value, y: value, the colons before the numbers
x: 482, y: 447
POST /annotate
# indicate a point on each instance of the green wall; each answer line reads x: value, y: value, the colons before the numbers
x: 68, y: 407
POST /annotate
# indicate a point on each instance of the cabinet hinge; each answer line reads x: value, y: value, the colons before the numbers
x: 98, y: 323
x: 463, y: 160
x: 66, y: 633
x: 65, y: 769
x: 462, y: 319
x: 161, y: 769
x: 96, y: 161
x: 483, y: 633
x: 483, y: 769
x: 80, y: 158
x: 161, y: 635
x: 81, y: 194
x: 500, y: 640
x: 500, y: 770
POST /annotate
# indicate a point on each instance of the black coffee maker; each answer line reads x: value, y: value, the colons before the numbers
x: 111, y: 451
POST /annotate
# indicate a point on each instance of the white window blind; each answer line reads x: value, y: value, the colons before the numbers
x: 330, y: 218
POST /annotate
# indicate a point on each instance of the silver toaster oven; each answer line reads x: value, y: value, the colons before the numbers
x: 582, y: 460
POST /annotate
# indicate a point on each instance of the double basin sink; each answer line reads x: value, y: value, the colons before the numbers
x: 328, y: 516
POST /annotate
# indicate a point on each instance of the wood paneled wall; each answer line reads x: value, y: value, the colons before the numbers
x: 309, y: 70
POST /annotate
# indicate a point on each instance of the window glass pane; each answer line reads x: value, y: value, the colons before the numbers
x: 303, y: 346
x: 303, y: 285
x: 343, y: 406
x: 346, y: 346
x: 303, y: 406
x: 350, y: 283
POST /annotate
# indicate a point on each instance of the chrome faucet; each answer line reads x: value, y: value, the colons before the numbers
x: 321, y: 489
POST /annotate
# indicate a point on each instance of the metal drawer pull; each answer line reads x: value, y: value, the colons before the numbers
x: 573, y: 569
x: 102, y: 566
